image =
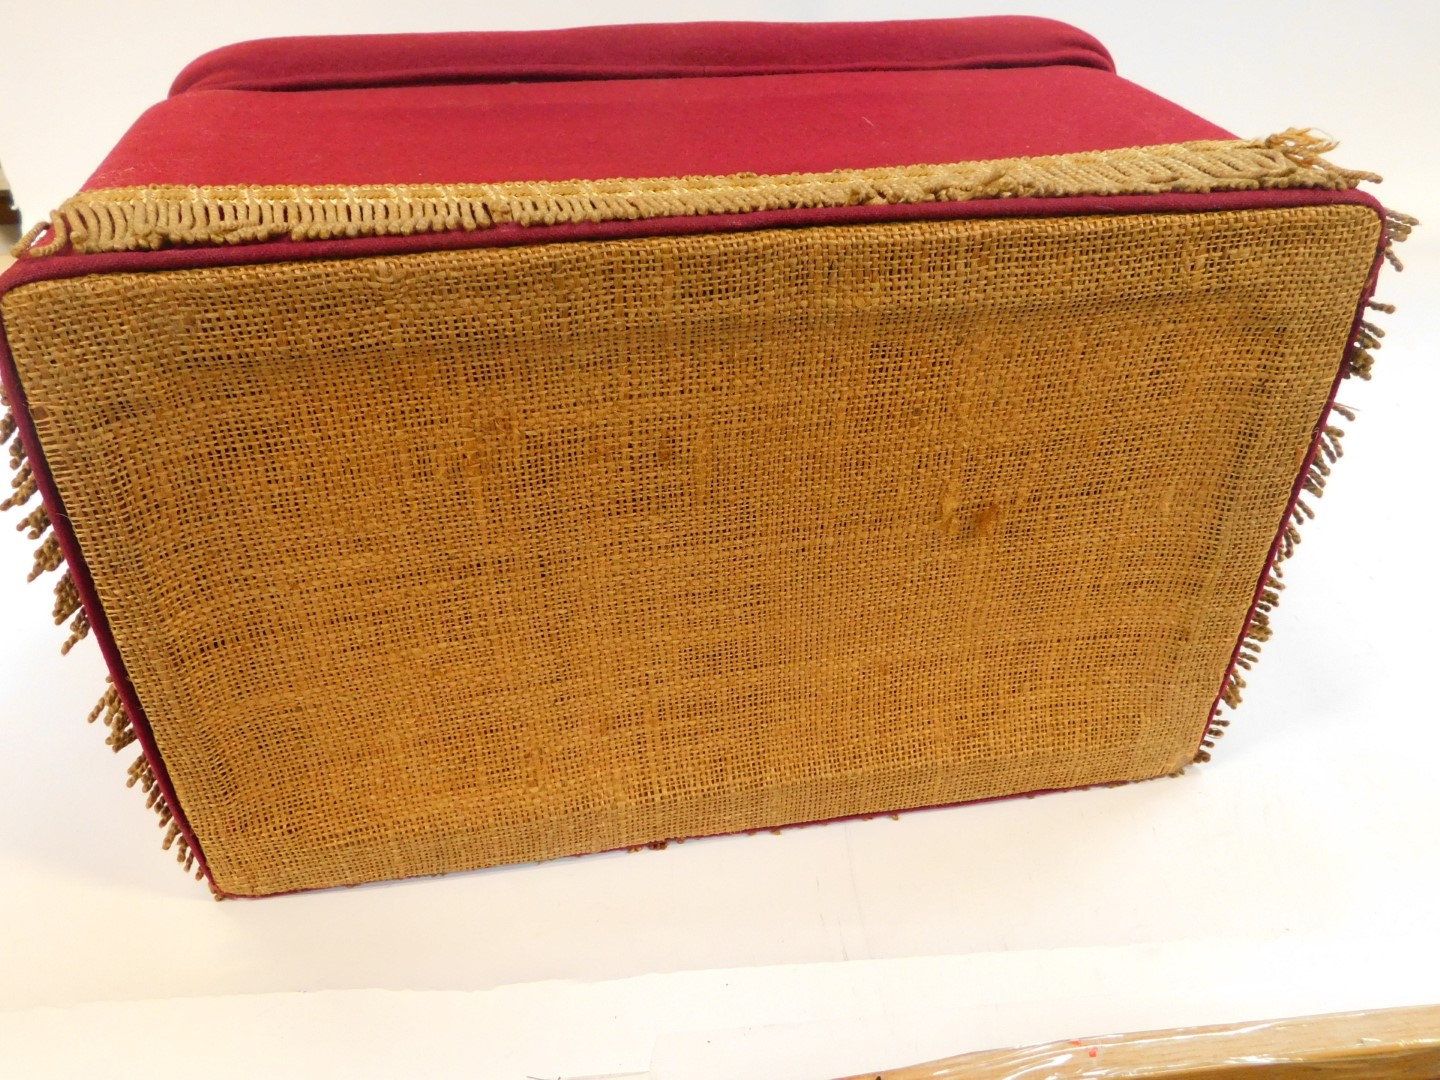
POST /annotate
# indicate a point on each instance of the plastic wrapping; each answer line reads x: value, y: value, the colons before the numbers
x: 1394, y: 1044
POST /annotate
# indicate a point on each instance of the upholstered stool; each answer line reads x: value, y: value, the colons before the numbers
x: 479, y: 448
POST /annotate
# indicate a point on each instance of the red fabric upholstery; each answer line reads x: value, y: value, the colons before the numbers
x: 641, y: 52
x: 639, y: 127
x: 614, y: 102
x: 713, y: 98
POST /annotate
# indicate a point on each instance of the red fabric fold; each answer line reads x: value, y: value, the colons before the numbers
x: 675, y: 50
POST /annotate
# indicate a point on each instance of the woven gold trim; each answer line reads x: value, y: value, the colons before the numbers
x: 141, y: 218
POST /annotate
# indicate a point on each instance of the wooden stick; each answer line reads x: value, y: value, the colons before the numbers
x: 1388, y: 1044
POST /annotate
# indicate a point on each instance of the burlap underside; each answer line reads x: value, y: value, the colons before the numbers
x: 447, y: 560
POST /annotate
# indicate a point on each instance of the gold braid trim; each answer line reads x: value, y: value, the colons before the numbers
x: 143, y: 218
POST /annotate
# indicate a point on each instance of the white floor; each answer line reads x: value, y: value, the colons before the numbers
x: 1297, y: 873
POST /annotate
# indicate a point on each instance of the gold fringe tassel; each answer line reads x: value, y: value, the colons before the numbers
x: 1397, y: 230
x: 1359, y: 363
x: 1329, y: 451
x: 145, y: 218
x: 48, y: 556
x: 23, y: 488
x: 79, y: 631
x: 67, y: 599
x: 140, y: 773
x: 117, y: 720
x: 120, y: 733
x: 22, y: 484
x: 36, y: 525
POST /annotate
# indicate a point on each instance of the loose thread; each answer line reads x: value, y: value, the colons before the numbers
x: 1305, y: 147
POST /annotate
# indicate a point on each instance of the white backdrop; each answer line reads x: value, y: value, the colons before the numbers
x: 1296, y: 873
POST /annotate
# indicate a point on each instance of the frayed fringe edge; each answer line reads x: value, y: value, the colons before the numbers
x: 141, y: 774
x: 1359, y: 362
x: 49, y: 557
x: 146, y: 218
x: 117, y: 720
x: 36, y: 526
